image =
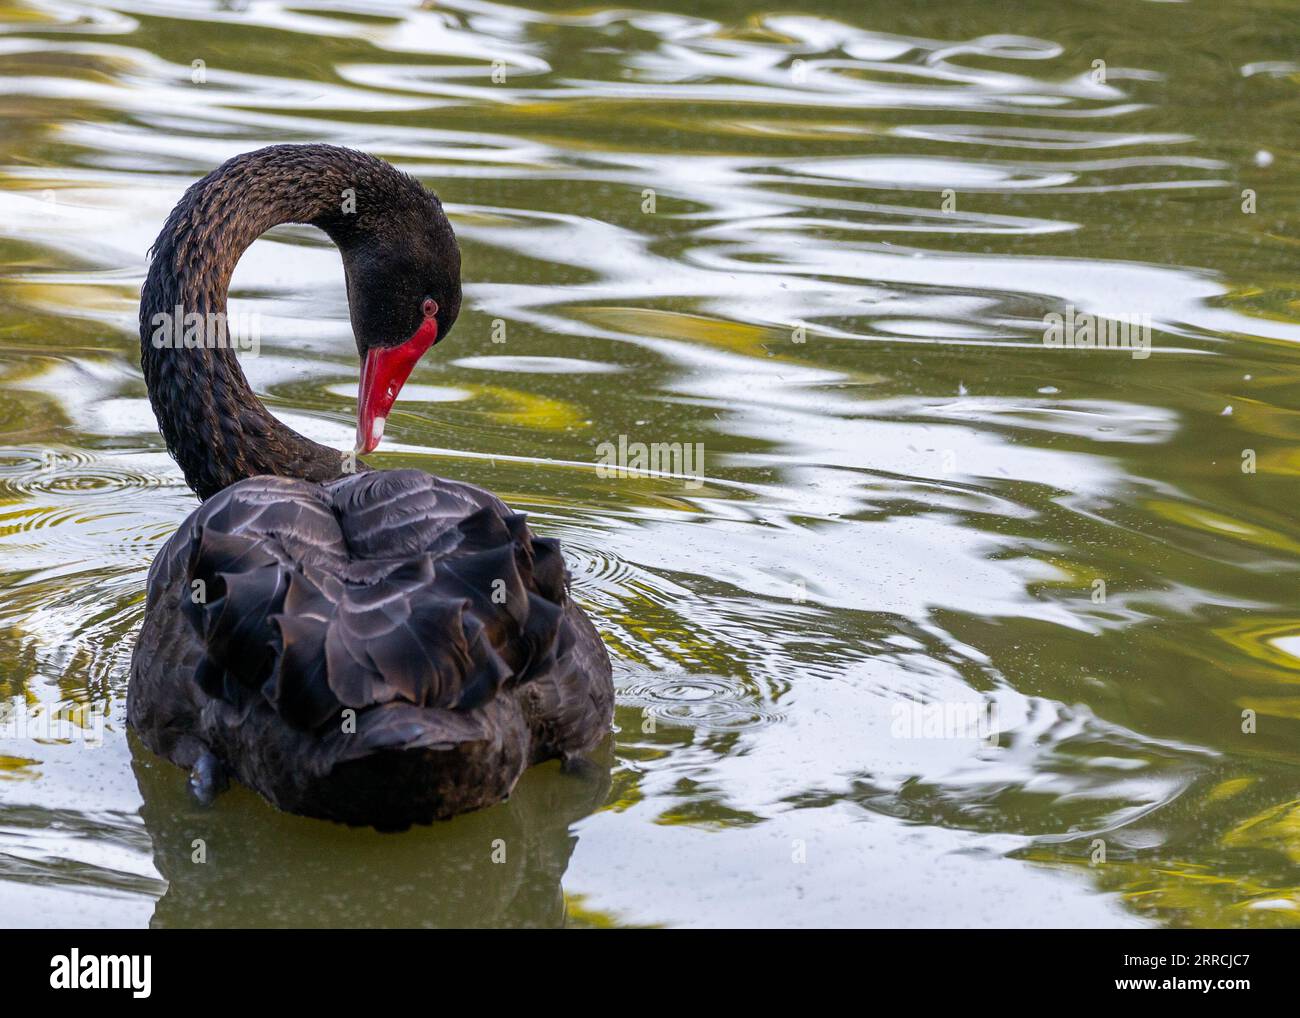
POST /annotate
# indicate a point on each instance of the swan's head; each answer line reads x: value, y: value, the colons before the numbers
x: 404, y: 295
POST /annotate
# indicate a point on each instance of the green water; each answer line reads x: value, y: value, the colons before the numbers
x: 821, y: 243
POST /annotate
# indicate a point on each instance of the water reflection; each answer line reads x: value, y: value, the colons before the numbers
x: 500, y: 867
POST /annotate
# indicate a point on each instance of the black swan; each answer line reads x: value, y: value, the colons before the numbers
x: 374, y: 647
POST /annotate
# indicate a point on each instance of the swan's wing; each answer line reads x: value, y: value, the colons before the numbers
x: 405, y: 599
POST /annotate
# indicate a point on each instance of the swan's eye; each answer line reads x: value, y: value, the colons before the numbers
x: 429, y: 307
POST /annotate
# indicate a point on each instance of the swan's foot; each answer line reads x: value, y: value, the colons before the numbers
x: 207, y: 779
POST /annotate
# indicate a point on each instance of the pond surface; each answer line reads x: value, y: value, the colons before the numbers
x: 950, y: 626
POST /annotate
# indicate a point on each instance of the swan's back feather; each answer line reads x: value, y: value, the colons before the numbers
x: 385, y: 611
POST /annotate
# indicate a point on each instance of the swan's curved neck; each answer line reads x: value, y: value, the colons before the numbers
x: 213, y: 423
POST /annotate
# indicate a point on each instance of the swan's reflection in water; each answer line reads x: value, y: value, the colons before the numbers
x: 243, y: 864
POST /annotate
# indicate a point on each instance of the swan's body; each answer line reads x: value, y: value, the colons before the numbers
x: 374, y: 647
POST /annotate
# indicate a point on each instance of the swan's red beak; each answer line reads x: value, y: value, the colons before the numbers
x: 383, y: 374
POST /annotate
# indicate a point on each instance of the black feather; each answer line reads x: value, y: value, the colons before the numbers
x: 334, y: 638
